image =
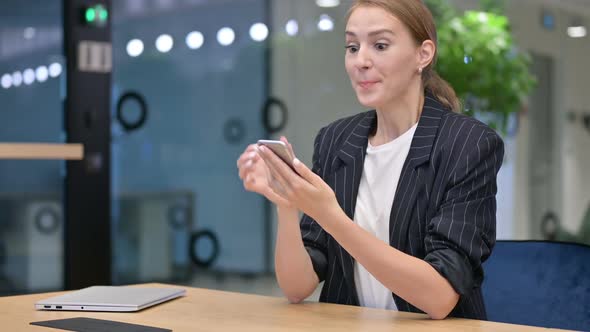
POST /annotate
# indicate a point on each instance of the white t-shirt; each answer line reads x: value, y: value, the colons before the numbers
x: 381, y: 172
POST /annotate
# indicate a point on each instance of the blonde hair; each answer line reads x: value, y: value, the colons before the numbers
x: 419, y: 21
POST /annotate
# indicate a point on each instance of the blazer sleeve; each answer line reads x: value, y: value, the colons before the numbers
x: 313, y: 235
x: 462, y: 233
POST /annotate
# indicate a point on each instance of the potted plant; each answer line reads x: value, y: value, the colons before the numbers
x: 478, y: 57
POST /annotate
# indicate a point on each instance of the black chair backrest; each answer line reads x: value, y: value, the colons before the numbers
x: 538, y: 283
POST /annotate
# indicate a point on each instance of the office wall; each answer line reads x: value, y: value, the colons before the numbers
x: 570, y: 95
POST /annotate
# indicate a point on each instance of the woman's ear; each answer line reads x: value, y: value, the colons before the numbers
x: 426, y: 53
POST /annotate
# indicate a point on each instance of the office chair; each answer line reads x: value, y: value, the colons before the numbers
x: 538, y: 283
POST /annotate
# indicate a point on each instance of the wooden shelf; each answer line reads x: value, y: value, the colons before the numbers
x: 41, y: 151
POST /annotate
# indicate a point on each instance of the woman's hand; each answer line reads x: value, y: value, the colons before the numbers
x: 256, y: 176
x: 302, y: 188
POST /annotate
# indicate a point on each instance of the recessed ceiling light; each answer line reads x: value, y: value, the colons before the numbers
x: 194, y: 40
x: 292, y: 27
x: 325, y: 23
x: 226, y: 36
x: 327, y: 3
x: 134, y: 47
x: 258, y: 32
x: 577, y: 31
x: 164, y: 43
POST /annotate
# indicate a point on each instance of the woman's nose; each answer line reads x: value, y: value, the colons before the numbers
x: 364, y: 58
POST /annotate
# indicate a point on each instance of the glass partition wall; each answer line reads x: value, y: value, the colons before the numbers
x: 31, y: 95
x: 189, y: 86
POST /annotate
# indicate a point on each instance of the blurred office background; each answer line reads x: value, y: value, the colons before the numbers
x: 215, y: 76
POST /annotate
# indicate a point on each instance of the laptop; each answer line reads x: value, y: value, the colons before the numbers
x: 110, y: 298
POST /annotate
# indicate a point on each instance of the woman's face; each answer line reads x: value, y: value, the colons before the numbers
x: 382, y: 58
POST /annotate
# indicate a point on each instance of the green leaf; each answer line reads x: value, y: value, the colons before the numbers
x: 478, y: 57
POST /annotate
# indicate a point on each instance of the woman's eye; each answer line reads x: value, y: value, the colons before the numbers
x: 352, y: 48
x: 381, y: 46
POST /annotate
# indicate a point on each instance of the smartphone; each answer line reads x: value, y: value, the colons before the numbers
x: 280, y: 149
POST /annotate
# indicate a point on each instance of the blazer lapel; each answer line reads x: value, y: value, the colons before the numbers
x: 348, y: 168
x: 410, y: 178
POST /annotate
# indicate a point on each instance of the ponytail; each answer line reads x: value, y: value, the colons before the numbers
x: 441, y: 89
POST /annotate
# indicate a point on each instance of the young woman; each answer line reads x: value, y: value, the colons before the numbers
x: 399, y: 206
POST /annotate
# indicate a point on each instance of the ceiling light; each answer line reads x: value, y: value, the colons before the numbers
x: 327, y: 3
x: 134, y: 47
x: 195, y: 40
x: 326, y: 23
x: 6, y: 81
x: 226, y: 36
x: 292, y: 27
x: 258, y: 32
x: 55, y: 69
x: 164, y: 43
x: 577, y: 31
x: 28, y: 76
x: 17, y: 78
x: 41, y: 73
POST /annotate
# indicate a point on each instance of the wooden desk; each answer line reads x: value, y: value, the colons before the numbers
x: 210, y: 310
x: 41, y: 151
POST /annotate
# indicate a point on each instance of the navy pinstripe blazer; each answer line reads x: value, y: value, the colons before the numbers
x: 444, y: 210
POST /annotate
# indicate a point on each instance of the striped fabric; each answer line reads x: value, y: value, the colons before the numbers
x: 444, y: 208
